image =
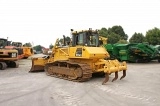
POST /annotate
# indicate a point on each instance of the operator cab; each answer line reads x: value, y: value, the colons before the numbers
x: 3, y: 43
x: 85, y: 38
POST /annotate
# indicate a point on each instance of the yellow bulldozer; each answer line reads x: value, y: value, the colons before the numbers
x: 79, y: 59
x: 8, y: 56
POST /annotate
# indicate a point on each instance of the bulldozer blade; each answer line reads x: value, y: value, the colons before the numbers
x: 124, y: 74
x: 116, y: 76
x: 36, y: 68
x: 38, y: 64
x: 106, y: 78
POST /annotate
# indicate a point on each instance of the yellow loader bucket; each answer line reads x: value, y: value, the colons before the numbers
x: 38, y: 64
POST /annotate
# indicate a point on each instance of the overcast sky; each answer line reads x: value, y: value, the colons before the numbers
x: 42, y: 21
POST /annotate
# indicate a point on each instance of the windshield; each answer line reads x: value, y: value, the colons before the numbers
x: 92, y: 40
x: 87, y: 39
x: 17, y: 44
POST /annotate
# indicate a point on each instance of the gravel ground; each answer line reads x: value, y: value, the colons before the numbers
x: 140, y: 87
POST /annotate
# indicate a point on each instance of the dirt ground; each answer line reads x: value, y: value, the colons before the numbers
x: 141, y: 87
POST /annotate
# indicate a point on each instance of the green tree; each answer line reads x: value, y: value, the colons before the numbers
x: 113, y: 38
x: 67, y: 39
x: 118, y: 30
x: 137, y: 38
x: 38, y: 48
x: 153, y: 36
x: 51, y: 46
x: 103, y: 32
x: 28, y: 44
x: 114, y: 34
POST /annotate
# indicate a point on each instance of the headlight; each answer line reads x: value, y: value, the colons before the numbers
x: 14, y: 54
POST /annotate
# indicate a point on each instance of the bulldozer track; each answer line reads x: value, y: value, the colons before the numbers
x: 68, y: 70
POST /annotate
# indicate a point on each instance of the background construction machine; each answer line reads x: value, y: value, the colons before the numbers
x: 24, y: 51
x: 133, y: 52
x: 17, y: 46
x: 8, y: 56
x: 80, y: 59
x: 27, y: 51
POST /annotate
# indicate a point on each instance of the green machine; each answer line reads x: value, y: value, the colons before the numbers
x: 157, y: 47
x: 133, y: 52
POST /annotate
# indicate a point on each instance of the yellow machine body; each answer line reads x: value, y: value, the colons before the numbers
x: 93, y: 56
x: 78, y: 62
x: 27, y: 51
